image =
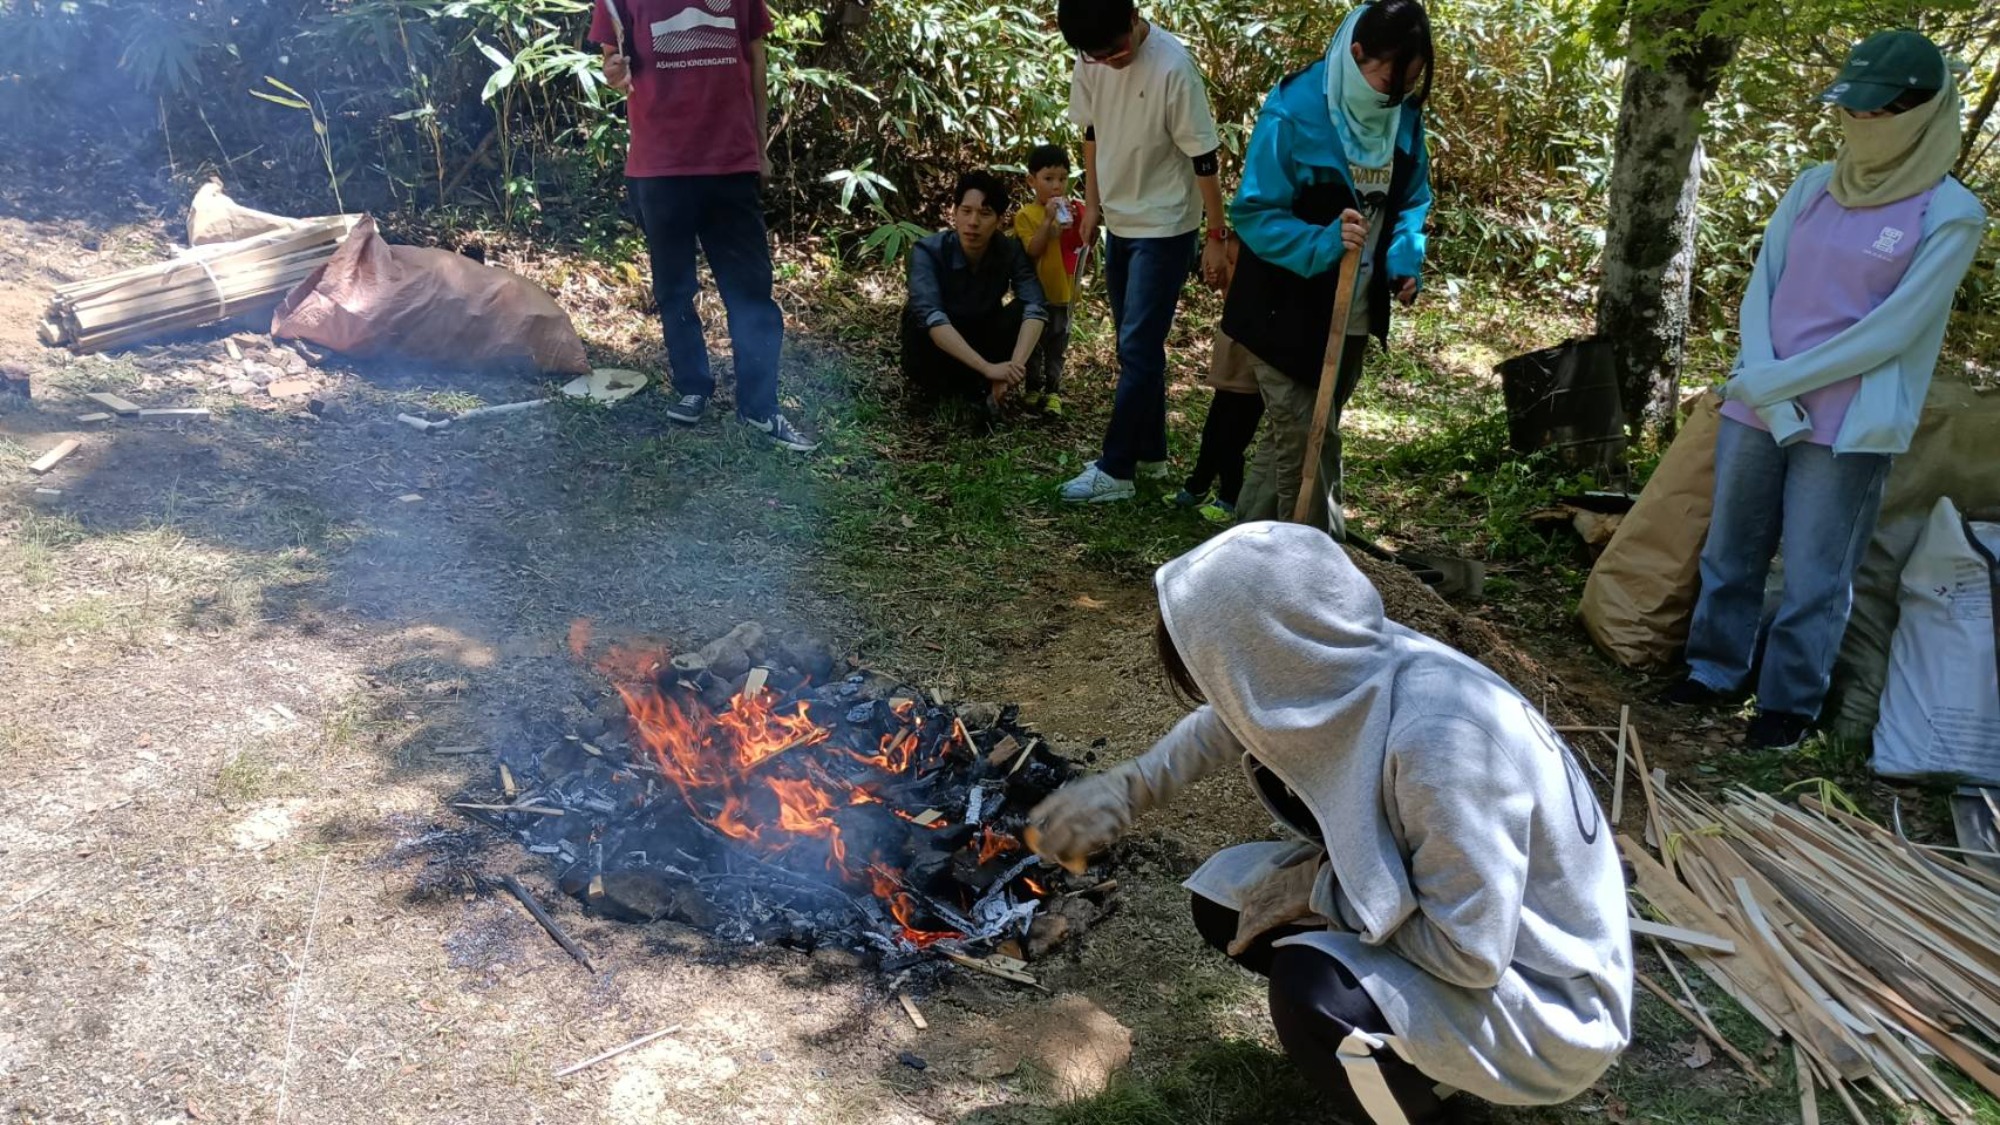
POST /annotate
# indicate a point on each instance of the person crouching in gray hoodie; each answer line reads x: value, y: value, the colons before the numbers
x: 1450, y: 913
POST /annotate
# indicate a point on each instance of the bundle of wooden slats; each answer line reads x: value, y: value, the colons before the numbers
x: 1876, y: 956
x: 200, y: 286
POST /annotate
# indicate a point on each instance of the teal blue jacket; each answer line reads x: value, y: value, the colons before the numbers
x: 1295, y: 183
x: 1295, y: 145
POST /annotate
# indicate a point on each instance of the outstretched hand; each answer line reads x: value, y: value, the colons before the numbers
x: 1080, y: 819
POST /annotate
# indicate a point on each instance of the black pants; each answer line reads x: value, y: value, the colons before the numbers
x: 938, y: 375
x: 1315, y: 1003
x: 1225, y: 438
x: 724, y: 216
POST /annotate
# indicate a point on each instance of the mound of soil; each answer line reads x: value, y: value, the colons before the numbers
x: 1411, y: 603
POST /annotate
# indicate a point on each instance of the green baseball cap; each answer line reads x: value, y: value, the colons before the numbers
x: 1884, y: 66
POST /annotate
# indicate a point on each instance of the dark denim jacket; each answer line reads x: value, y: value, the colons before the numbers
x: 945, y: 287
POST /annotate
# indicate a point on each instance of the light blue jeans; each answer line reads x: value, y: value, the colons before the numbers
x: 1820, y: 507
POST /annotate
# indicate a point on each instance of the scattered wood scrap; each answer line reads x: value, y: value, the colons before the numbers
x: 1696, y: 938
x: 1874, y: 956
x: 113, y: 403
x: 910, y: 1009
x: 54, y: 457
x: 202, y: 285
x: 1006, y: 968
x: 614, y: 1052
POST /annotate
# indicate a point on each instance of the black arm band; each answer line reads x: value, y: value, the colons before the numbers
x: 1208, y: 163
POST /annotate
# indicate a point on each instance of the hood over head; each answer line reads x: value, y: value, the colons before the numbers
x: 1288, y: 642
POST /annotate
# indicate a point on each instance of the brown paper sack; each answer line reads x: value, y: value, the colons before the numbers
x: 374, y: 299
x: 1641, y: 594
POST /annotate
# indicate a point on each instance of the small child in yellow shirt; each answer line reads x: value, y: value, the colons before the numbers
x: 1047, y: 230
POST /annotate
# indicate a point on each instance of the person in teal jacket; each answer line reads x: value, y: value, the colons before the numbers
x: 1841, y: 327
x: 1336, y: 165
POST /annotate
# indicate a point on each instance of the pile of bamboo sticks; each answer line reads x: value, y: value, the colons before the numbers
x: 1874, y: 955
x: 200, y: 286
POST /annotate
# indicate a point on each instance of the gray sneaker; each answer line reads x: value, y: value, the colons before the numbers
x: 1155, y: 470
x: 1095, y: 486
x: 782, y: 432
x: 688, y: 410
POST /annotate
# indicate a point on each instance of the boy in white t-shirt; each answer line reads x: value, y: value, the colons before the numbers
x: 1150, y: 174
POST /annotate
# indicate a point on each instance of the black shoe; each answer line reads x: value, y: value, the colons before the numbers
x: 782, y: 433
x: 688, y: 410
x: 1777, y: 730
x: 1691, y: 692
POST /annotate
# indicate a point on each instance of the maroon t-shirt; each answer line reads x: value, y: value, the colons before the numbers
x: 692, y: 107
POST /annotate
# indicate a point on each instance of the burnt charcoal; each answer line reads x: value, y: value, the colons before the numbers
x: 875, y: 685
x: 812, y: 656
x: 649, y: 896
x: 590, y: 728
x: 733, y: 653
x: 953, y: 837
x: 913, y: 1061
x: 931, y: 871
x: 861, y: 713
x: 1036, y: 780
x: 575, y: 879
x: 978, y: 717
x: 1010, y: 717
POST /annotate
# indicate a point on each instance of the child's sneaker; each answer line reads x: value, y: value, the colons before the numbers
x: 1052, y: 405
x: 1185, y: 499
x: 1095, y: 486
x: 1218, y: 511
x: 1155, y: 470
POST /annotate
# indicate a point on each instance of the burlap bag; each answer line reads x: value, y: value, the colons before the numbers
x: 1641, y: 594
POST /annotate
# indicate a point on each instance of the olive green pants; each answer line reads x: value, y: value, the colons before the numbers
x: 1271, y: 490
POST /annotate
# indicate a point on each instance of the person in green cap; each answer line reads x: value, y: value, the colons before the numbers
x: 1840, y: 330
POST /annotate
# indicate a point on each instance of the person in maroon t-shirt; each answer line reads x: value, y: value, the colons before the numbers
x: 693, y: 73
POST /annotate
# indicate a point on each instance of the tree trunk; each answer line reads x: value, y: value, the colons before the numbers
x: 1642, y: 303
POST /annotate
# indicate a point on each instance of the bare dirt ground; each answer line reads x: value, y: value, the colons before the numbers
x: 228, y: 888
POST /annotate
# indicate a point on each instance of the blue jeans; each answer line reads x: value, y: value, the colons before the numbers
x: 1821, y: 507
x: 725, y: 216
x: 1144, y: 276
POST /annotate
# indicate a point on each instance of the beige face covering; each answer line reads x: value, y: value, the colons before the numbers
x: 1884, y: 159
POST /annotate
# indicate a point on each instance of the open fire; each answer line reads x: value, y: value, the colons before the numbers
x: 758, y: 789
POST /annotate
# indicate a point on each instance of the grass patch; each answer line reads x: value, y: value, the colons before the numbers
x: 251, y: 774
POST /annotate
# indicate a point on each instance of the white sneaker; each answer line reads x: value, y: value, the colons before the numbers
x: 1155, y: 470
x: 1095, y: 486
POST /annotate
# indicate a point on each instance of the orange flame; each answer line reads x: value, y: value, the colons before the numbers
x: 730, y: 768
x: 1034, y: 887
x: 993, y: 845
x: 902, y: 907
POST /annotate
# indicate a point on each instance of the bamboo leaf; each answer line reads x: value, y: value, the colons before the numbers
x: 285, y: 88
x: 289, y: 103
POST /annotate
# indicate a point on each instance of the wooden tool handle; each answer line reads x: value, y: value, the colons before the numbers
x: 1329, y: 377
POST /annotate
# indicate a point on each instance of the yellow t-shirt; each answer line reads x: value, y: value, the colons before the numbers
x: 1049, y: 267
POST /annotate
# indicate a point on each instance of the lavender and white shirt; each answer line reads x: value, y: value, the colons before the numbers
x: 1842, y: 263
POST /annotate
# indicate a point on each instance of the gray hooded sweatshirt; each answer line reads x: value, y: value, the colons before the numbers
x: 1470, y: 881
